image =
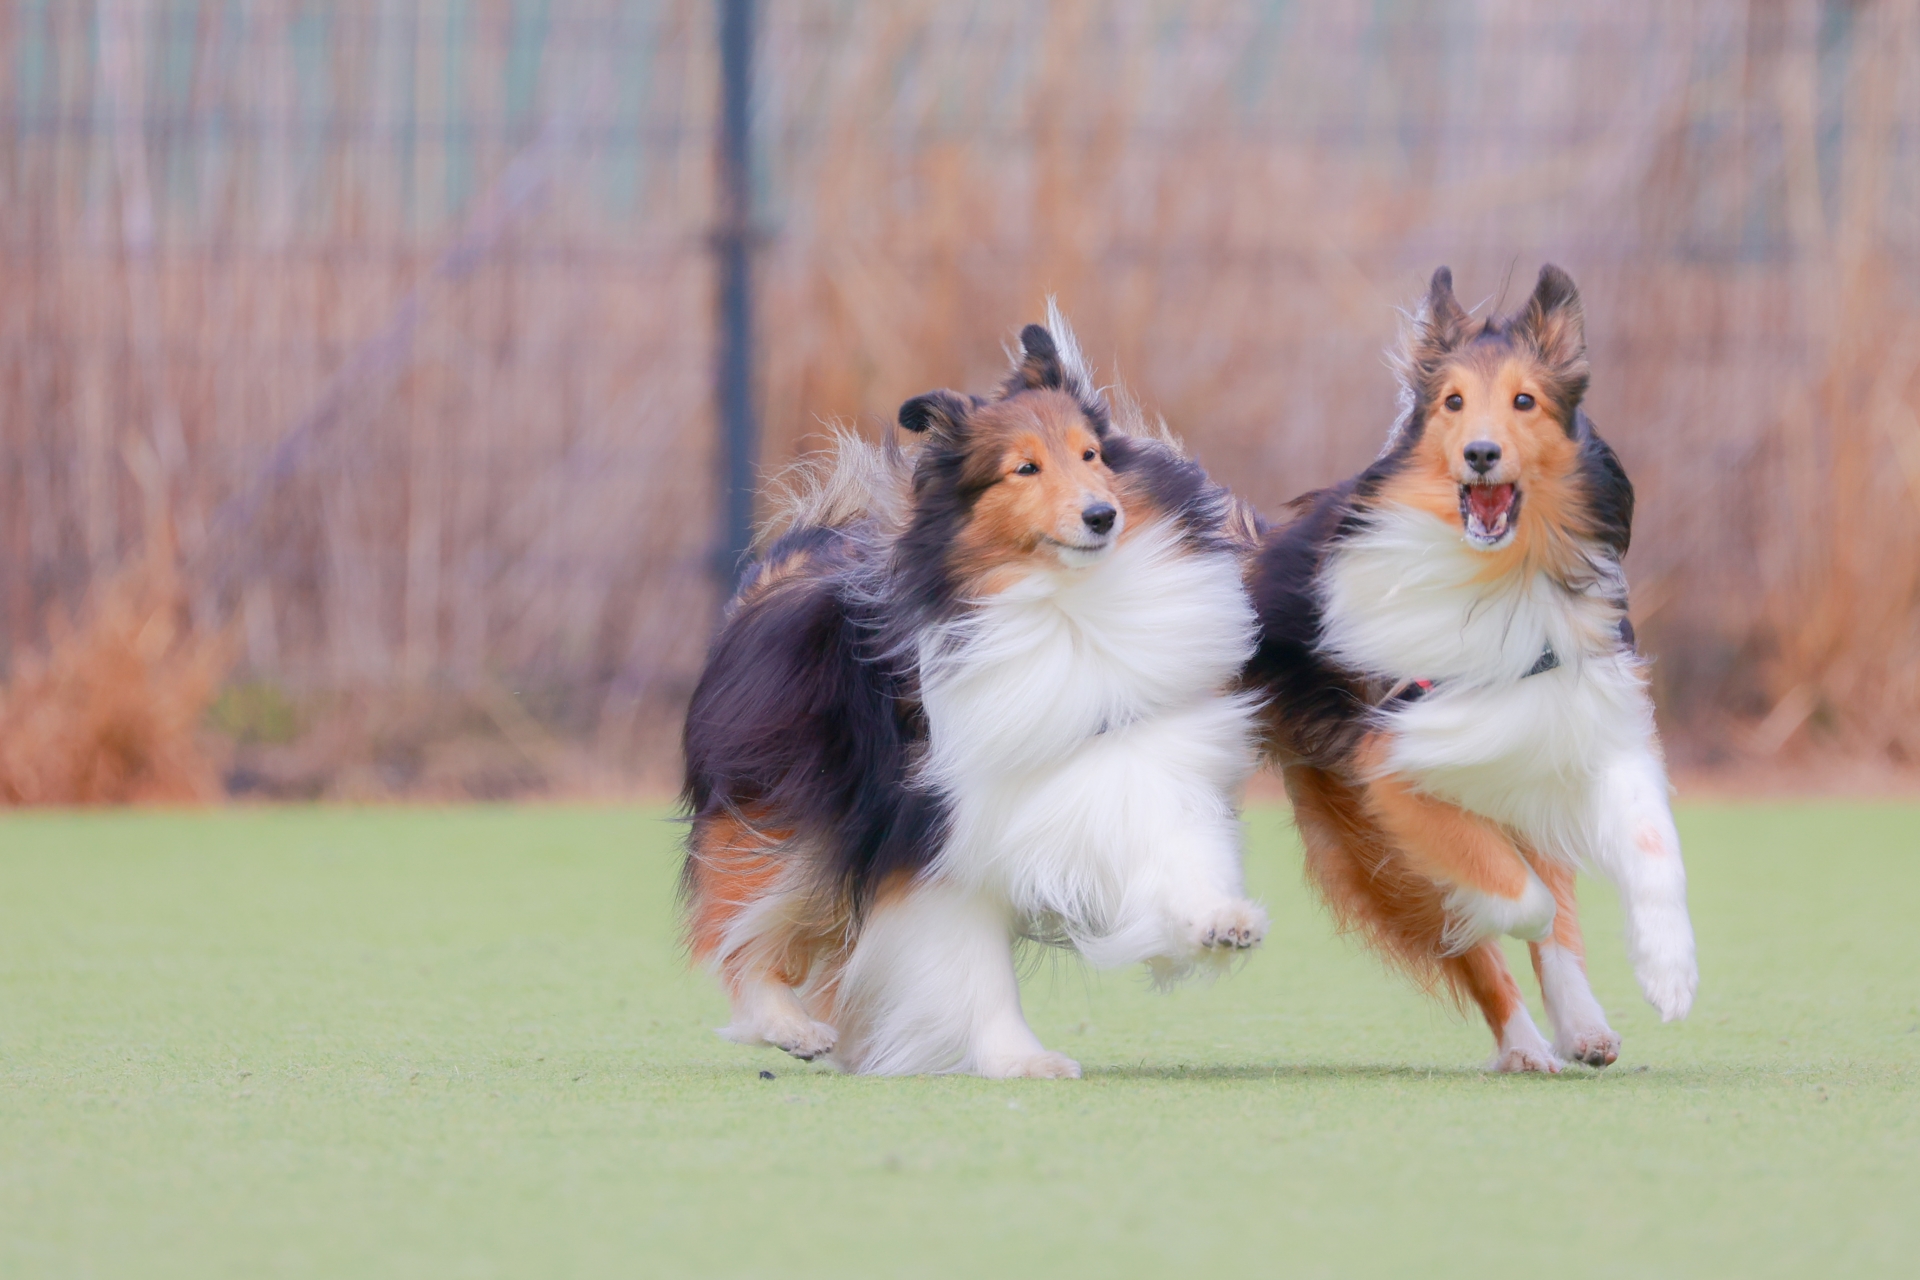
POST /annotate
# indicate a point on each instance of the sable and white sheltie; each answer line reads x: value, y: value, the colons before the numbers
x: 1451, y: 686
x: 980, y: 695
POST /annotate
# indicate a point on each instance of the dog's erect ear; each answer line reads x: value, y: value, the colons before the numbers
x: 1443, y: 321
x: 1430, y: 335
x: 1554, y: 319
x: 937, y: 413
x: 1039, y: 362
x: 1555, y: 325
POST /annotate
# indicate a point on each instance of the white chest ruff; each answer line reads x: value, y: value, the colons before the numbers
x: 1077, y: 724
x: 1401, y: 601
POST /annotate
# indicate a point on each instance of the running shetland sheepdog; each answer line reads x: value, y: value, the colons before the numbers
x: 972, y: 697
x: 1452, y: 690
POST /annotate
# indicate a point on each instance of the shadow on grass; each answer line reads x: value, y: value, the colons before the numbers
x: 1357, y: 1072
x: 1315, y: 1071
x: 789, y: 1070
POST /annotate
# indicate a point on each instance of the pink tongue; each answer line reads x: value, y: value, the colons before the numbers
x: 1489, y: 502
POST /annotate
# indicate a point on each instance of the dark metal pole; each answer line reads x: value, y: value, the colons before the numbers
x: 733, y: 247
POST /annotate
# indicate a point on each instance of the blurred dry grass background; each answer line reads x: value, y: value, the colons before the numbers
x: 396, y: 319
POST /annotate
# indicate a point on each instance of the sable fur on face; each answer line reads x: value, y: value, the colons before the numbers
x: 1014, y: 482
x: 1035, y: 463
x: 1491, y: 434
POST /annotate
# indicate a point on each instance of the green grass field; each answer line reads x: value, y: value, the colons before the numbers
x: 423, y: 1043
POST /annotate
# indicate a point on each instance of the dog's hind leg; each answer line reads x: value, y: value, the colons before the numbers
x: 1374, y: 888
x: 1363, y: 877
x: 1492, y: 890
x: 1482, y: 973
x: 748, y: 917
x: 1580, y: 1030
x: 931, y: 986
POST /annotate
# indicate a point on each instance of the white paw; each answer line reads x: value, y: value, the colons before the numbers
x: 1046, y: 1065
x: 806, y: 1043
x: 1522, y: 1048
x: 803, y: 1039
x: 1669, y: 987
x: 1595, y: 1046
x: 1524, y: 1057
x: 1660, y: 943
x: 1232, y: 926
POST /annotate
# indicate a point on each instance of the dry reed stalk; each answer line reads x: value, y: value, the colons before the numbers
x: 112, y: 712
x: 511, y: 505
x: 1843, y: 609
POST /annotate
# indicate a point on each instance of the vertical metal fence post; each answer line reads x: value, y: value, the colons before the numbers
x: 733, y: 248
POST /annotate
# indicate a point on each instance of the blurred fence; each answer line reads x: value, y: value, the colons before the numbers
x: 399, y: 315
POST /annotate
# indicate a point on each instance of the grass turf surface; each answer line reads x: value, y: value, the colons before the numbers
x: 421, y: 1043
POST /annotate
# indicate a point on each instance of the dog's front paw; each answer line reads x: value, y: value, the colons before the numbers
x: 1669, y: 988
x: 1597, y: 1047
x: 1661, y: 945
x: 1046, y: 1065
x: 1232, y: 926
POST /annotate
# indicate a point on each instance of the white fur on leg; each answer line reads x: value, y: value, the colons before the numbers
x: 1639, y: 849
x: 1522, y: 1047
x: 931, y: 987
x: 1580, y: 1030
x: 768, y: 1012
x: 1005, y: 1048
x: 1127, y: 847
x: 1474, y: 915
x: 1079, y: 728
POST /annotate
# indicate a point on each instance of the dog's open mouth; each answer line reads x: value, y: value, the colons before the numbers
x: 1489, y: 511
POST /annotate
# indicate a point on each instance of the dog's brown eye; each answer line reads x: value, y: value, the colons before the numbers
x: 1523, y: 401
x: 1027, y: 469
x: 1088, y: 456
x: 1454, y: 402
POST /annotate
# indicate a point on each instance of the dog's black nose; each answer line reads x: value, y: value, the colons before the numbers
x: 1482, y: 454
x: 1099, y: 517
